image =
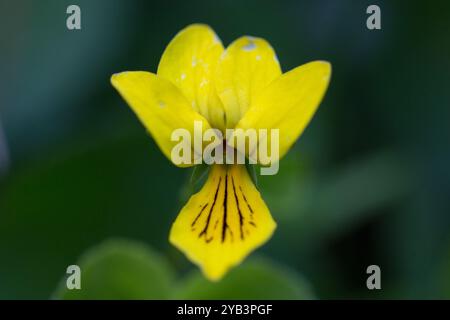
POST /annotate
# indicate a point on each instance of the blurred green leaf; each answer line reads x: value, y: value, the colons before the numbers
x: 120, y: 269
x: 254, y: 279
x: 288, y: 192
x: 351, y: 194
x: 99, y: 185
x: 317, y: 207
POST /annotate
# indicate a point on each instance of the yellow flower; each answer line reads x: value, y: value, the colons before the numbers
x: 243, y: 87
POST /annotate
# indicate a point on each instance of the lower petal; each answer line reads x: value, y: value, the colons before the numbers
x: 222, y: 223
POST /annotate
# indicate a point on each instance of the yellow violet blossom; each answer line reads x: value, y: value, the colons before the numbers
x: 243, y: 87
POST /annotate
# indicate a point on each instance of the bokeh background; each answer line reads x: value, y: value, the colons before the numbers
x: 367, y: 183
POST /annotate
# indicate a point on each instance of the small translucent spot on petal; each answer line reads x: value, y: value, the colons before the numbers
x: 203, y: 83
x: 217, y: 39
x: 161, y: 104
x: 275, y: 58
x: 194, y: 61
x: 258, y: 57
x: 249, y: 46
x: 223, y: 56
x: 183, y: 76
x: 120, y: 73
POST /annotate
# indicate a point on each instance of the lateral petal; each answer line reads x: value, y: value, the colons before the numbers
x: 288, y: 103
x: 160, y: 106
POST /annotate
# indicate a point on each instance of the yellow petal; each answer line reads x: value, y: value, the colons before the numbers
x: 245, y: 68
x: 223, y: 223
x: 159, y: 105
x: 289, y: 103
x: 189, y: 61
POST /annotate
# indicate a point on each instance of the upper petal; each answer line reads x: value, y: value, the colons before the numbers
x: 289, y: 103
x: 245, y: 68
x: 159, y: 105
x: 188, y: 62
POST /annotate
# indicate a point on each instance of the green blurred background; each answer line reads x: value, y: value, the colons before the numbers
x: 367, y: 183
